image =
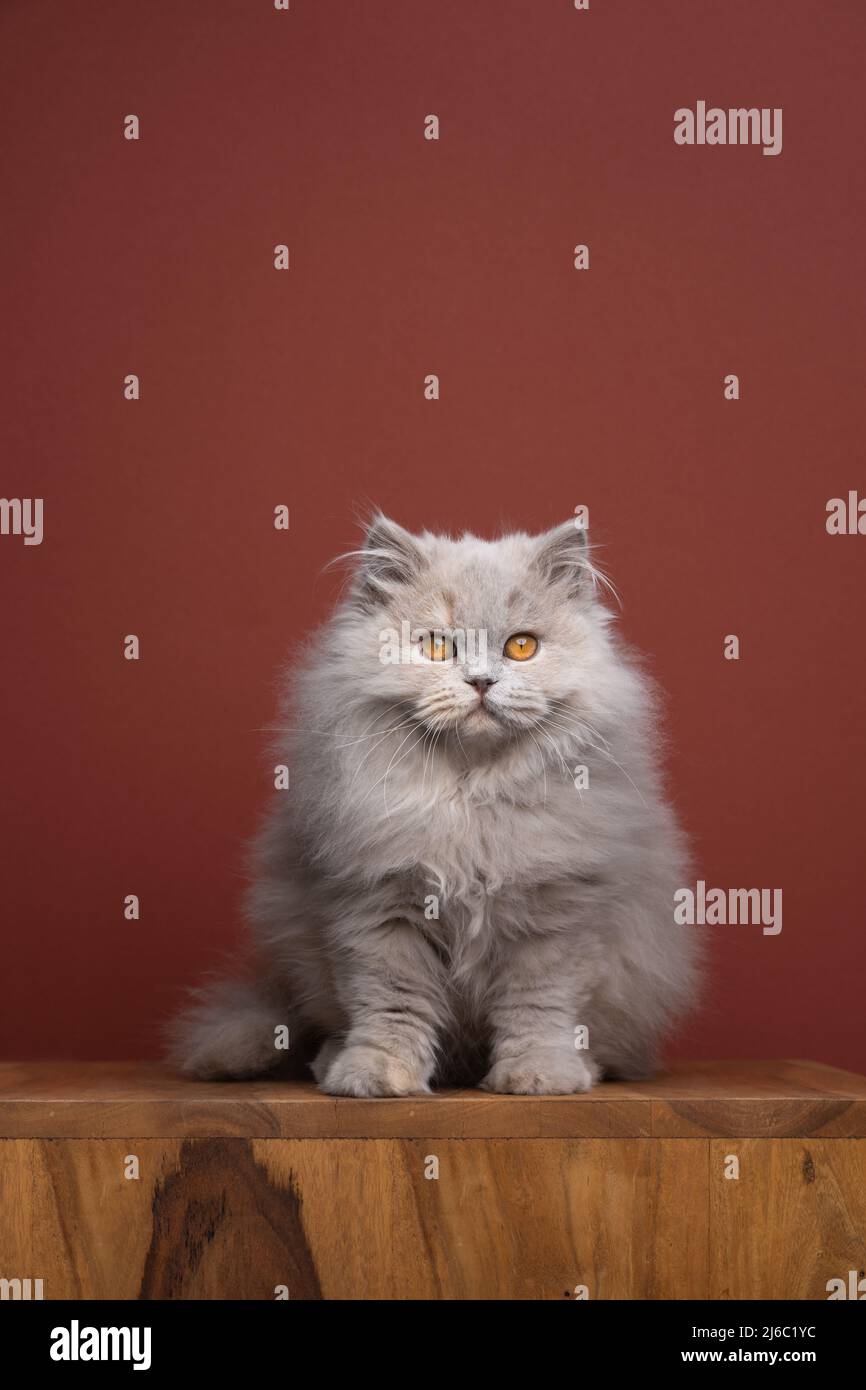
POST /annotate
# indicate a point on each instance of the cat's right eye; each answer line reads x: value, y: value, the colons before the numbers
x: 521, y: 646
x: 436, y: 647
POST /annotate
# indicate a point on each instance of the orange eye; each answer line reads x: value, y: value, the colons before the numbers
x: 521, y: 646
x: 436, y: 647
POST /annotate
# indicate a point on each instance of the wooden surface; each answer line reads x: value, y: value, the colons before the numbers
x: 795, y: 1217
x: 504, y: 1218
x: 46, y: 1100
x: 239, y: 1191
x: 230, y: 1218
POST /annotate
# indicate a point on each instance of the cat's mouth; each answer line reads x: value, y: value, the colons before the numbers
x: 484, y: 715
x: 506, y: 720
x: 480, y: 717
x: 472, y: 718
x: 482, y: 710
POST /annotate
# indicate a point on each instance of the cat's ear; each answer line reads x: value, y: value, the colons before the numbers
x: 389, y: 557
x: 562, y: 555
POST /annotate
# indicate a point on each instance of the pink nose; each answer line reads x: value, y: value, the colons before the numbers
x: 481, y: 683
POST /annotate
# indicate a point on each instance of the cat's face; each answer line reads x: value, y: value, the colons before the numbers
x: 482, y: 640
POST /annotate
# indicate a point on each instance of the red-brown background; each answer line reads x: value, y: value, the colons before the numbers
x: 305, y: 387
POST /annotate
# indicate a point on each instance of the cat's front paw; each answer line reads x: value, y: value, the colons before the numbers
x: 546, y: 1071
x: 368, y: 1071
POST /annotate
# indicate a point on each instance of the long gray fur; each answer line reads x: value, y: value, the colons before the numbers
x: 412, y: 796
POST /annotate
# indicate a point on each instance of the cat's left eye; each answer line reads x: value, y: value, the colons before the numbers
x: 521, y: 646
x: 436, y: 647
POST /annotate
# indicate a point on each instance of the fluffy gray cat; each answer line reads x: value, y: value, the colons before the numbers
x: 471, y: 880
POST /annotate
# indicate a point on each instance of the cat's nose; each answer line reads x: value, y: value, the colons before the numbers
x: 481, y: 683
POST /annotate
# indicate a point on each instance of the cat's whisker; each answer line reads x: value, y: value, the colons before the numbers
x: 384, y: 779
x: 595, y: 732
x: 436, y: 737
x: 606, y: 754
x: 543, y: 763
x: 410, y: 749
x: 364, y: 734
x: 431, y: 734
x: 565, y: 710
x: 383, y: 735
x: 575, y: 734
x: 278, y: 728
x: 539, y: 727
x: 459, y: 740
x: 379, y: 733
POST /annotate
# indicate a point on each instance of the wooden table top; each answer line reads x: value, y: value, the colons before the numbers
x: 108, y: 1100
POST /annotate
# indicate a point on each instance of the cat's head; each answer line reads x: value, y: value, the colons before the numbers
x: 481, y: 640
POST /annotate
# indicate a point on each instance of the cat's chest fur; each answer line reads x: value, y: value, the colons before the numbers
x: 471, y: 854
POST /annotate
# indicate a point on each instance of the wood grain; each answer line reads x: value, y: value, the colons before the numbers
x: 793, y: 1219
x: 356, y: 1219
x: 117, y: 1099
x: 245, y: 1188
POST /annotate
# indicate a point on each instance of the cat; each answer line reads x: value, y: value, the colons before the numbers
x: 471, y: 879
